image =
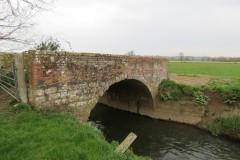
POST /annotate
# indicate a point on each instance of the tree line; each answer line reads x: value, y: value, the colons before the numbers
x: 203, y: 58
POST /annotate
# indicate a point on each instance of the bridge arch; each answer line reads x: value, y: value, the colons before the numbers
x: 130, y: 95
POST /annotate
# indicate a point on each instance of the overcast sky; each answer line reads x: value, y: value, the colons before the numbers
x: 148, y: 27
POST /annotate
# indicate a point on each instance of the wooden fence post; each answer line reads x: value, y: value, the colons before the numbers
x: 22, y: 89
x: 126, y: 143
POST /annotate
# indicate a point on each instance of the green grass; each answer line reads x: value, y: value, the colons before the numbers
x: 226, y: 82
x: 224, y: 86
x: 27, y: 134
x: 206, y: 68
x: 169, y: 90
x: 228, y: 89
x: 230, y: 125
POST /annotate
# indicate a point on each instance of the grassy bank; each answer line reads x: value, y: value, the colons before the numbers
x: 26, y: 133
x: 226, y: 125
x: 228, y: 89
x: 169, y: 90
x: 228, y: 93
x: 206, y: 68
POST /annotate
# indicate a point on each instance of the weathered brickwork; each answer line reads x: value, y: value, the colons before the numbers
x: 74, y: 82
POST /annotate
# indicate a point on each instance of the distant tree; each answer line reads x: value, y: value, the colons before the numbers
x: 49, y: 44
x: 16, y: 19
x: 131, y: 53
x: 181, y: 56
x: 204, y: 58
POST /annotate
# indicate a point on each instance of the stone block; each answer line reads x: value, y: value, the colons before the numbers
x: 40, y: 99
x: 64, y: 94
x: 73, y: 92
x: 65, y: 87
x: 54, y: 96
x: 64, y: 101
x: 51, y: 90
x: 39, y: 92
x: 74, y: 98
x: 72, y: 105
x: 58, y: 102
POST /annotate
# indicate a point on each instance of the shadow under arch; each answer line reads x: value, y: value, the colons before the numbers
x: 129, y: 95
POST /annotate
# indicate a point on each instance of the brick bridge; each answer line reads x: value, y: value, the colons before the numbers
x: 75, y: 82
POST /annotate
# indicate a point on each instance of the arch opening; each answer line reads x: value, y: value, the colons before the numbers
x: 129, y: 95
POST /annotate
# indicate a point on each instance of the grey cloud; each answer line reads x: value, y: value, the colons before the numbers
x: 166, y: 27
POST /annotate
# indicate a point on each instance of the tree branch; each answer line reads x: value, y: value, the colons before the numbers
x: 16, y: 16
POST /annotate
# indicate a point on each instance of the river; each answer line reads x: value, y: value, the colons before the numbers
x: 163, y: 140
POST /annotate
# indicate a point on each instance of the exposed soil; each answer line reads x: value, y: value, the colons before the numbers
x: 217, y: 106
x: 196, y: 80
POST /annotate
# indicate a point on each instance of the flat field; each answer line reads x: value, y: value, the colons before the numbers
x: 227, y: 70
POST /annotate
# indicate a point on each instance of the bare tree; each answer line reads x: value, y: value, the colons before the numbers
x: 16, y: 18
x: 181, y: 56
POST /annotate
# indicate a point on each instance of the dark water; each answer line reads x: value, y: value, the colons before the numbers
x: 163, y: 140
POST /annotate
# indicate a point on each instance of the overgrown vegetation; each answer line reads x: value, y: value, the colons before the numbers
x: 169, y: 90
x: 200, y: 98
x: 49, y: 44
x: 227, y: 84
x: 27, y: 134
x: 229, y: 90
x: 227, y: 125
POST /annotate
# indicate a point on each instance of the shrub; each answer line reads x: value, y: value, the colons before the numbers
x: 188, y: 90
x: 230, y: 90
x: 200, y: 98
x: 169, y: 91
x: 229, y: 125
x: 233, y: 97
x: 166, y: 96
x: 49, y: 44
